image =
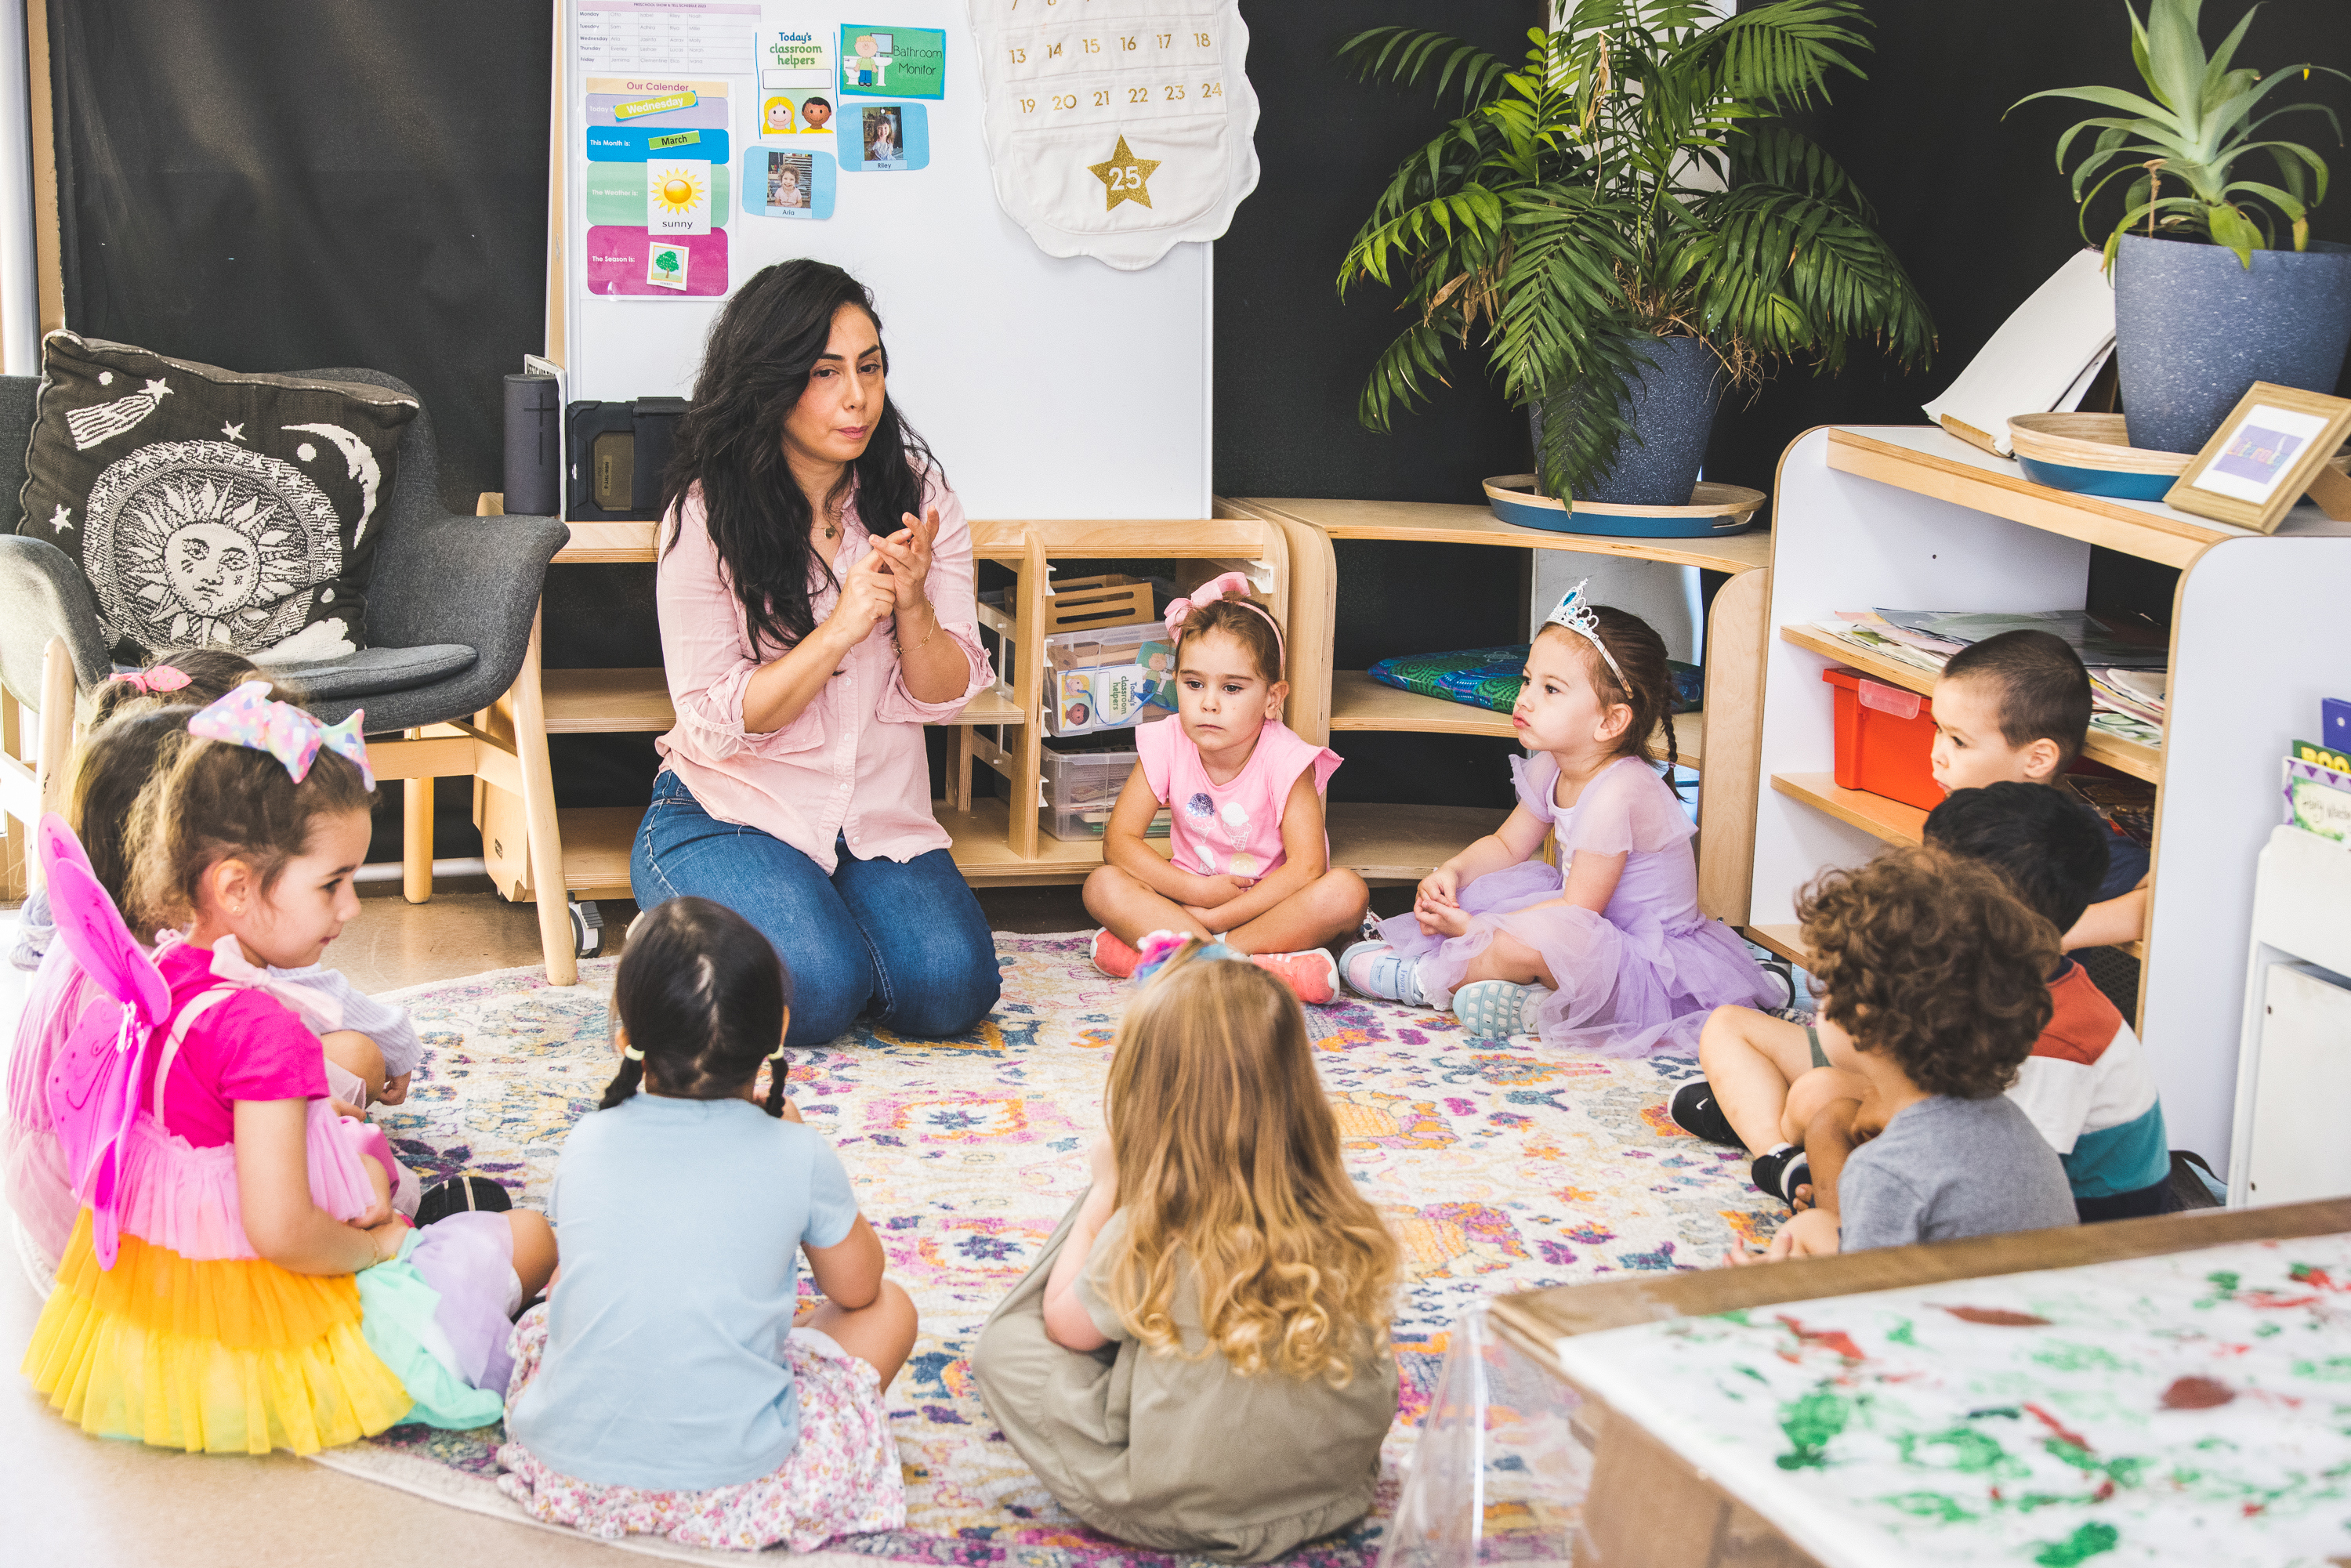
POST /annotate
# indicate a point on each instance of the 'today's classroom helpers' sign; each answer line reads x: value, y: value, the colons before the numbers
x: 892, y: 62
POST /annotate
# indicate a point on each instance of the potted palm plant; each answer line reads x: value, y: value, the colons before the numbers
x: 1626, y: 226
x: 2218, y: 284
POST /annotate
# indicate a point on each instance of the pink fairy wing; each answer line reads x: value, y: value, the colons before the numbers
x: 92, y: 929
x: 93, y: 1087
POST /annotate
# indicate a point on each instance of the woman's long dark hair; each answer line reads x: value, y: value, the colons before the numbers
x: 754, y: 368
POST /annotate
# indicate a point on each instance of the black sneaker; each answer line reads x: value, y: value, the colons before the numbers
x: 1780, y: 1174
x: 1695, y: 1112
x: 472, y: 1193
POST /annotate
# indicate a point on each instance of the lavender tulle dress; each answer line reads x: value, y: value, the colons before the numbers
x: 1640, y: 977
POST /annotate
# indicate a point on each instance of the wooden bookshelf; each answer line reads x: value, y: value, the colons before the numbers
x: 1360, y: 703
x: 2123, y: 756
x: 1890, y: 820
x: 1911, y: 516
x: 1720, y: 741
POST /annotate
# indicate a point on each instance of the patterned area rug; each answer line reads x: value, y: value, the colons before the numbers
x: 1502, y: 1166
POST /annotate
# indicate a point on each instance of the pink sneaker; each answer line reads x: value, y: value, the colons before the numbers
x: 1114, y: 957
x: 1313, y: 975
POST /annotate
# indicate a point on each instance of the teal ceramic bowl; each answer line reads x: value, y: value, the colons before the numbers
x: 1714, y: 511
x: 2097, y: 481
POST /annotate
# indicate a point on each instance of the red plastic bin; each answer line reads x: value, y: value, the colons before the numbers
x: 1884, y: 740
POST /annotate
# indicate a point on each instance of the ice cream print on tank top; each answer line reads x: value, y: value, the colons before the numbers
x: 1233, y: 827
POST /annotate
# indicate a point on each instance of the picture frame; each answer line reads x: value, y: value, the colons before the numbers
x: 2277, y: 445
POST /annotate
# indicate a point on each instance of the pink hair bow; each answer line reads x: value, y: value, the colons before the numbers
x: 153, y: 682
x: 1233, y: 585
x: 250, y: 716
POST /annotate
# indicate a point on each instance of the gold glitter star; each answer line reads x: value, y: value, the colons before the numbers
x: 1122, y: 177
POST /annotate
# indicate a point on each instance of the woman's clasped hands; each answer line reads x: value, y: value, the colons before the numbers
x: 887, y: 580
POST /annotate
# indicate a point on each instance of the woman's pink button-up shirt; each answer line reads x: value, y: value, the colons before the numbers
x: 852, y: 763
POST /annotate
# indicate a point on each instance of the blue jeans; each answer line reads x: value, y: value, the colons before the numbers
x: 908, y: 940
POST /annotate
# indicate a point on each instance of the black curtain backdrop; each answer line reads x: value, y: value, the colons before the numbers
x: 286, y: 184
x: 1292, y: 359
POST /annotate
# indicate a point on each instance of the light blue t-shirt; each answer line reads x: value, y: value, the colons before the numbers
x: 680, y: 1223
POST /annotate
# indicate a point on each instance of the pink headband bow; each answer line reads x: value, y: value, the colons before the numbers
x: 153, y: 682
x: 248, y: 716
x: 1215, y: 591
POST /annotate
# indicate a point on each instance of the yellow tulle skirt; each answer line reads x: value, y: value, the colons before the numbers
x: 229, y: 1355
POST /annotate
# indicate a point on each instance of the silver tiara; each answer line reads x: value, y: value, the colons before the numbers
x: 1576, y: 614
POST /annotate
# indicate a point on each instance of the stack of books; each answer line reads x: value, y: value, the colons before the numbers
x: 2127, y: 679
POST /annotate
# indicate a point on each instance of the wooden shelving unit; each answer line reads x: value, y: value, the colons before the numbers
x: 1360, y: 703
x: 1909, y: 516
x: 2122, y: 755
x: 999, y: 728
x: 1722, y: 750
x: 1889, y: 820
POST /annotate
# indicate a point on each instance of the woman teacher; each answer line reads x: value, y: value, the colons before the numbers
x: 815, y: 590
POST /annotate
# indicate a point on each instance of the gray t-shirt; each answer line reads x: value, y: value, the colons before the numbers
x: 1945, y: 1168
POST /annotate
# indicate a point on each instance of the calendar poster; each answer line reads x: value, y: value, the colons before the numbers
x: 1117, y: 128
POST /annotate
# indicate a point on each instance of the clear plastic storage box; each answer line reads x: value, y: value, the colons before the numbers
x: 1108, y: 677
x: 1080, y: 787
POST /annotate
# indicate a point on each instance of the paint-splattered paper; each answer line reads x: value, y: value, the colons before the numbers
x: 2191, y: 1408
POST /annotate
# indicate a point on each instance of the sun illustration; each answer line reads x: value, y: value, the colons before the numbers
x: 200, y: 542
x: 679, y: 192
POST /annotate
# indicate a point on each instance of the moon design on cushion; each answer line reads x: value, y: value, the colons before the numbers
x: 362, y: 467
x: 204, y: 542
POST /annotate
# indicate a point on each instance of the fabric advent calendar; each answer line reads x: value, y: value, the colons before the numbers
x: 1117, y: 128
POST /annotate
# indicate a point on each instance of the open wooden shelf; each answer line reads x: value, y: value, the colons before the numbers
x: 1360, y: 703
x: 1929, y: 461
x: 1379, y: 844
x: 2123, y: 756
x: 1788, y: 941
x: 1469, y: 524
x: 637, y: 701
x: 1403, y: 844
x: 608, y: 544
x: 596, y: 841
x: 1888, y: 820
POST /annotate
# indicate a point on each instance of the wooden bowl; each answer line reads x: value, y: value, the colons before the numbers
x: 1714, y: 511
x: 2091, y: 454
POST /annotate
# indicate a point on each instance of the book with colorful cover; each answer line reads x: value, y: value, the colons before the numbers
x: 2319, y: 799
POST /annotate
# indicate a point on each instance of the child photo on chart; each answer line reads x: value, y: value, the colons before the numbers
x: 885, y: 145
x: 789, y: 177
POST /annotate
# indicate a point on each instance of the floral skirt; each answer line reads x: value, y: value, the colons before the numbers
x: 842, y: 1478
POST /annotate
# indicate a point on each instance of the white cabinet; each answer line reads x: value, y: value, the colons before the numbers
x: 2293, y: 1073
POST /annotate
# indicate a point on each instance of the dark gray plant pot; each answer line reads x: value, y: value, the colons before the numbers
x: 1672, y: 407
x: 2194, y: 330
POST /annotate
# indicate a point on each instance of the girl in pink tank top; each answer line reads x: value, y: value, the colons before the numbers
x: 1249, y: 863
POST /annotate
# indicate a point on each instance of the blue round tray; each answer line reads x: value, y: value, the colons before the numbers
x: 1714, y: 511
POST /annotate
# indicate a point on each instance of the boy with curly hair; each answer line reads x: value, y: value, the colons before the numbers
x: 1938, y: 976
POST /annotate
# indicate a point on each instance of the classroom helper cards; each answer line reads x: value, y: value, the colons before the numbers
x: 1120, y: 131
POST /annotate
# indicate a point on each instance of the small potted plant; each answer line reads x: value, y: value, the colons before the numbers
x: 2218, y: 284
x: 1626, y: 226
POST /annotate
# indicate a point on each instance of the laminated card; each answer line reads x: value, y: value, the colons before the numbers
x: 1121, y: 129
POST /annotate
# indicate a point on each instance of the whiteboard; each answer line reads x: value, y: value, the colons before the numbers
x: 1047, y: 388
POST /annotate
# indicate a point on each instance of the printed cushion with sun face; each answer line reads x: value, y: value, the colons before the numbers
x: 211, y: 508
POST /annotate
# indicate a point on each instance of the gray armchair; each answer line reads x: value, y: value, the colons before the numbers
x: 452, y: 629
